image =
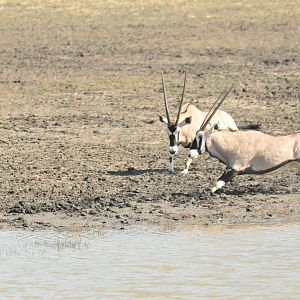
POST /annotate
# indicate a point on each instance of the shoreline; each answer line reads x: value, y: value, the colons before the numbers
x: 285, y: 208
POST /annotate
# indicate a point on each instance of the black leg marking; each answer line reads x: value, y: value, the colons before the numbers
x: 226, y: 176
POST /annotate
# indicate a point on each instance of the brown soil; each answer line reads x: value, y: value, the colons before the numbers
x: 80, y: 140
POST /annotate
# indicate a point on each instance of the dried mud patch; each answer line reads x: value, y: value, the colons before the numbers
x: 80, y: 140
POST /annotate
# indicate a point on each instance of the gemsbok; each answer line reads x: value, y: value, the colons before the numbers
x: 182, y: 129
x: 244, y: 152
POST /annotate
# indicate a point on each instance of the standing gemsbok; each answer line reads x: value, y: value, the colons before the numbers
x: 244, y: 152
x: 183, y: 128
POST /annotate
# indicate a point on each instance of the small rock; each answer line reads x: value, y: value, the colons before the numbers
x: 93, y: 212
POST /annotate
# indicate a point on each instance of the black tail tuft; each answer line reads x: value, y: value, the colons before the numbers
x: 250, y: 126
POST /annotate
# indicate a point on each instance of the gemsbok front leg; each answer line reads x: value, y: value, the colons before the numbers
x: 228, y: 175
x: 172, y: 161
x: 188, y: 163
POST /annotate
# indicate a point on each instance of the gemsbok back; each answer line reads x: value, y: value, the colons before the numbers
x: 182, y: 129
x: 244, y: 152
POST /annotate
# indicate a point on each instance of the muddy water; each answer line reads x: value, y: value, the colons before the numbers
x: 147, y: 263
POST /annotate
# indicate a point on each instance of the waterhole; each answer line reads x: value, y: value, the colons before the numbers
x: 150, y: 263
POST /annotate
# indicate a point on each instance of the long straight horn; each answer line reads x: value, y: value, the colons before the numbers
x: 209, y: 115
x: 181, y: 101
x: 213, y: 106
x: 165, y: 98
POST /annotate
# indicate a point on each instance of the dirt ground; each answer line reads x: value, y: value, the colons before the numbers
x: 80, y: 140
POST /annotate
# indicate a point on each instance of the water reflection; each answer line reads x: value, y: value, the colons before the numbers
x: 146, y: 263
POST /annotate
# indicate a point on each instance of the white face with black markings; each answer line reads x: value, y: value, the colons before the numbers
x: 174, y: 135
x: 198, y: 144
x: 174, y: 132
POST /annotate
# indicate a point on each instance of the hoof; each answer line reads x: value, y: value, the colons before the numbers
x: 184, y: 172
x: 212, y: 192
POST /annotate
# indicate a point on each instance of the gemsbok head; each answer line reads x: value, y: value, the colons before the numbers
x: 174, y: 126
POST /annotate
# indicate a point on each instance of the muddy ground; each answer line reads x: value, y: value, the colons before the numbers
x: 80, y: 140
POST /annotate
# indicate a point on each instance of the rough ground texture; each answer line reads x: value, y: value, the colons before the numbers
x: 80, y: 140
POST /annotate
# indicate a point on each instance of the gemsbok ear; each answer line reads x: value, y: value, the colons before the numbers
x: 163, y: 120
x: 212, y: 129
x: 216, y: 126
x: 186, y: 121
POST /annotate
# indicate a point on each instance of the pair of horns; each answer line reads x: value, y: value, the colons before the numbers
x: 220, y: 99
x: 166, y: 101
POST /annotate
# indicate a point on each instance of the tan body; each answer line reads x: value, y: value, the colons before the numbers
x: 188, y: 132
x: 253, y: 152
x: 246, y: 152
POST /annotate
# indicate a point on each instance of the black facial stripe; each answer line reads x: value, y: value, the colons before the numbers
x: 172, y: 140
x: 194, y: 144
x: 172, y: 137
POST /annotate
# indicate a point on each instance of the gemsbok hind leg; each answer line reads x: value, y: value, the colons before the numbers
x: 226, y: 176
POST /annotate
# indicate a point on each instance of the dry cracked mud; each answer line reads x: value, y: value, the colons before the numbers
x: 80, y: 140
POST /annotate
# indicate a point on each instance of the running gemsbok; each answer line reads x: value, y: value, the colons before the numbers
x: 244, y: 152
x: 183, y: 128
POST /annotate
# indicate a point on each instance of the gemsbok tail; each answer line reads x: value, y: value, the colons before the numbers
x: 250, y: 127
